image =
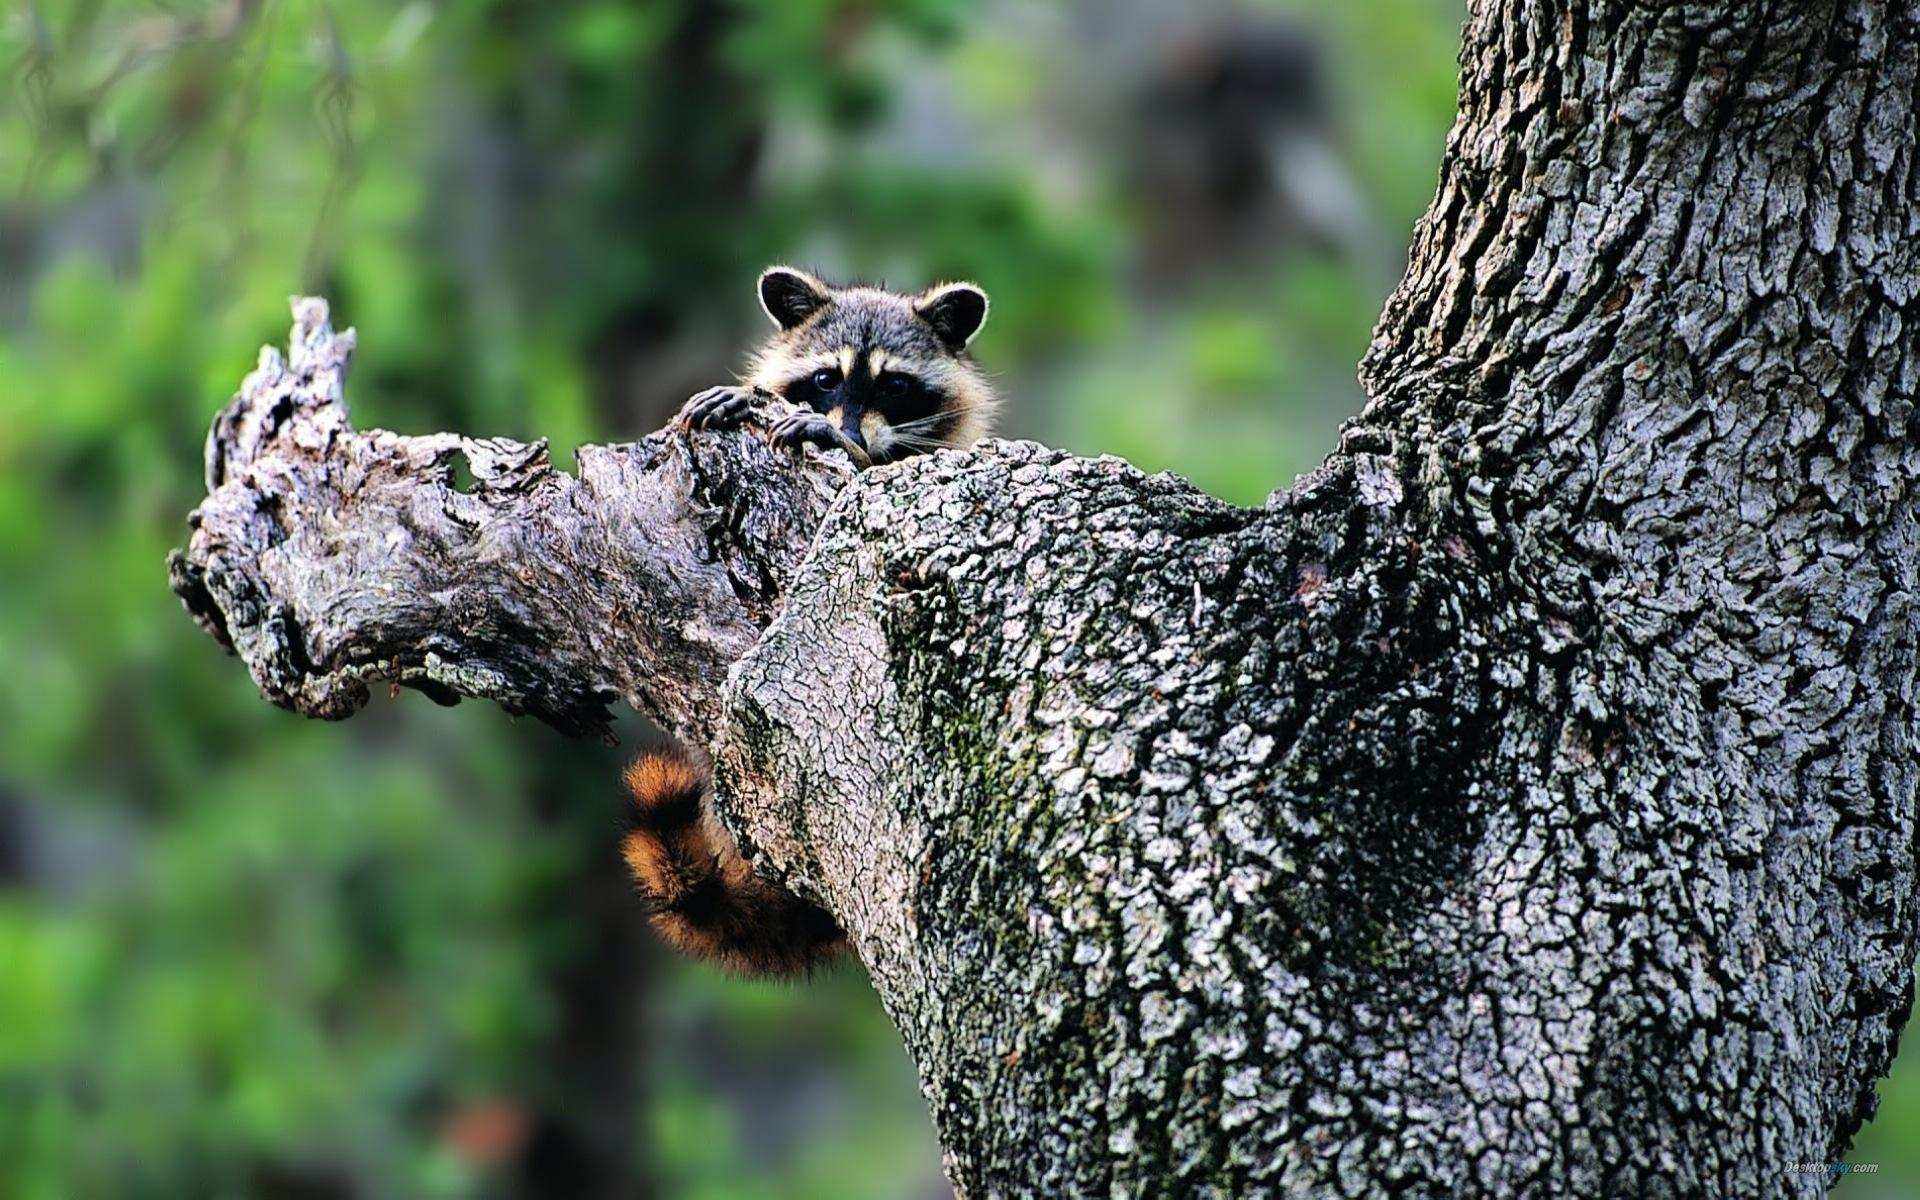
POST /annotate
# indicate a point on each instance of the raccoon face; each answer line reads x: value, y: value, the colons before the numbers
x: 890, y: 372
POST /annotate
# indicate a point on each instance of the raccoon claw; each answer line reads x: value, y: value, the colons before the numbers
x: 803, y: 428
x: 810, y: 428
x: 717, y: 408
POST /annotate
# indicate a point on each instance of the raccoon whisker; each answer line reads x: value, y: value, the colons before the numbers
x: 911, y: 430
x: 915, y: 442
x: 921, y: 422
x: 919, y: 440
x: 924, y: 429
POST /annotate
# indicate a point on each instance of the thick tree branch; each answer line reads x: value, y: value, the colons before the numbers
x: 329, y: 558
x: 1523, y: 803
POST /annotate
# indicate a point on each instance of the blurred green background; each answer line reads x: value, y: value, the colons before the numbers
x: 243, y: 954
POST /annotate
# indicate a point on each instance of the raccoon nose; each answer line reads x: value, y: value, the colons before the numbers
x: 847, y: 418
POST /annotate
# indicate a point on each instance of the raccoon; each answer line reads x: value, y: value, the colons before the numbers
x: 875, y: 373
x: 882, y: 376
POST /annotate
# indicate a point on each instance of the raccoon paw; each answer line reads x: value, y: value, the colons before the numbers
x: 717, y: 408
x: 804, y: 428
x: 810, y: 428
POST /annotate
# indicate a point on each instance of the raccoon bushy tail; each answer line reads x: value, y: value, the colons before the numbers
x: 701, y: 895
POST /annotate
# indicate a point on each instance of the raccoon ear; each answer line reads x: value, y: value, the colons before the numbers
x: 955, y: 310
x: 791, y: 296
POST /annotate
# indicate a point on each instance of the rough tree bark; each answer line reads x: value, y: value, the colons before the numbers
x: 1524, y: 802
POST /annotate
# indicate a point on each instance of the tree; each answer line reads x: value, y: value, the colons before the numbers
x: 1521, y: 802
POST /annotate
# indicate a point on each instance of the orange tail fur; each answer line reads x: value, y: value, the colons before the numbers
x: 701, y: 895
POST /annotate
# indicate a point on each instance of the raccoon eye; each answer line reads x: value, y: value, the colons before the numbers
x: 893, y: 386
x: 826, y: 379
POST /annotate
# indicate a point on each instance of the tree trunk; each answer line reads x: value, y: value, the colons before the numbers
x: 1521, y: 803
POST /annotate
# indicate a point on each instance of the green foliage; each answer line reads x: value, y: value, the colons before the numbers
x: 244, y: 951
